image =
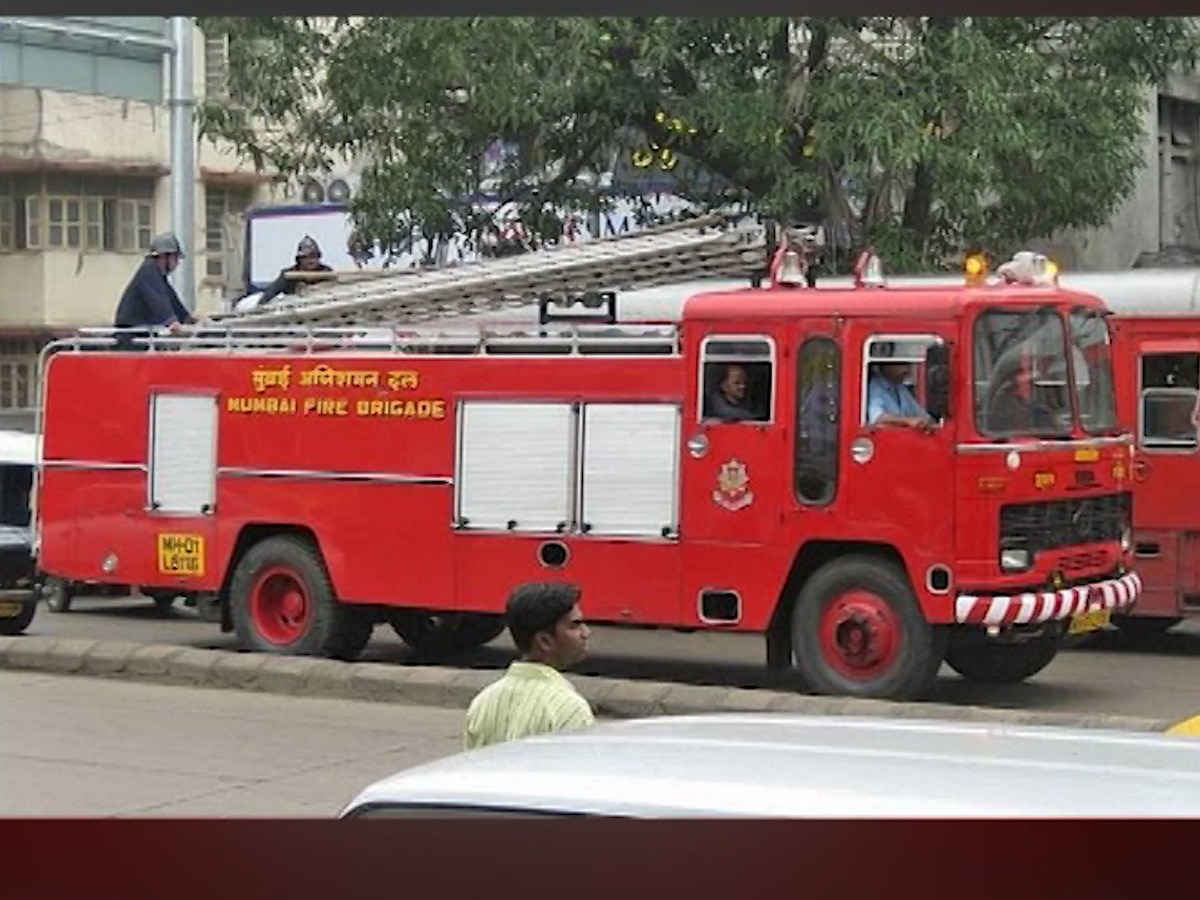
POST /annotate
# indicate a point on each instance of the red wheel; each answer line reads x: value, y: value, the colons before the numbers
x: 280, y: 609
x: 860, y: 635
x: 281, y: 600
x: 857, y: 630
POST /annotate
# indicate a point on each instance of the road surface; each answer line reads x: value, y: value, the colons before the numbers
x: 72, y: 746
x: 1111, y: 674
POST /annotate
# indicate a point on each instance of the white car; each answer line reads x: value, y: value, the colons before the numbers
x: 779, y: 765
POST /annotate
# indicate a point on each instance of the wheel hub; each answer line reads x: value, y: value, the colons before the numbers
x: 860, y: 635
x: 279, y: 607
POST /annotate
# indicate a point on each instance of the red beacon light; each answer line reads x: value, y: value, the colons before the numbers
x: 868, y: 270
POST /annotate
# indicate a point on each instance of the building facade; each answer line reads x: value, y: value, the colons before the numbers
x: 85, y: 181
x: 1161, y: 217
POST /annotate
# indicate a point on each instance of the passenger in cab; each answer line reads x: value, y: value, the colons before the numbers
x: 890, y: 401
x: 730, y: 401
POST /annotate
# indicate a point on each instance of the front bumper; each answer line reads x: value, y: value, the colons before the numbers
x: 1031, y: 608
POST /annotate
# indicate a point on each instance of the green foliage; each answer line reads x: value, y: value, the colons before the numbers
x: 914, y: 134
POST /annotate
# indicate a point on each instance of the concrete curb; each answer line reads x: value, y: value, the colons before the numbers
x: 454, y: 688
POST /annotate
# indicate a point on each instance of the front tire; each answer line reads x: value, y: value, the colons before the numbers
x: 282, y: 601
x: 857, y: 630
x: 18, y: 624
x: 985, y: 661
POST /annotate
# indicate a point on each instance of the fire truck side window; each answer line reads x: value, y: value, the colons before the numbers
x: 1169, y: 387
x: 818, y: 400
x: 737, y: 378
x: 885, y: 354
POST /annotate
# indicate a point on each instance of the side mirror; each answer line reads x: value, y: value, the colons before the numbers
x: 937, y: 381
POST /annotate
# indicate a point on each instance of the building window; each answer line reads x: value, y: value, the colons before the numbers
x: 8, y: 223
x: 1179, y: 172
x: 76, y: 212
x: 216, y: 67
x: 18, y: 374
x: 223, y: 210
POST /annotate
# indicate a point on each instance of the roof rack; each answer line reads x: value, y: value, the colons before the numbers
x: 574, y: 338
x: 713, y: 245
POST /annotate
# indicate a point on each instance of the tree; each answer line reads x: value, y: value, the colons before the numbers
x: 914, y: 134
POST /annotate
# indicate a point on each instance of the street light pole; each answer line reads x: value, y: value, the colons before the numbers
x: 183, y: 155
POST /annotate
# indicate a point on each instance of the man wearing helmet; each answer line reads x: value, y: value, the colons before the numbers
x: 308, y: 259
x: 149, y: 300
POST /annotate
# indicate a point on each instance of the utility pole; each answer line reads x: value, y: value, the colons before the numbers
x: 183, y: 155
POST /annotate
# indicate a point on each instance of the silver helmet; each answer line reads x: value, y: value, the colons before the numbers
x: 165, y: 243
x: 308, y: 247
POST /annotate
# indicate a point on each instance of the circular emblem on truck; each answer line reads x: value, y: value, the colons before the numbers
x: 733, y: 492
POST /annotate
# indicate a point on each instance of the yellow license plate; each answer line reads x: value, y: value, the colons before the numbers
x: 10, y: 609
x: 1090, y: 621
x: 181, y: 554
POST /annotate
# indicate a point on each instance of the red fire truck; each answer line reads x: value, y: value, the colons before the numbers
x: 1155, y: 320
x: 311, y: 469
x: 1156, y: 328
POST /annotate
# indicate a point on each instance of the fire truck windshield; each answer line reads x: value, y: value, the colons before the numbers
x: 1020, y: 374
x: 1091, y: 348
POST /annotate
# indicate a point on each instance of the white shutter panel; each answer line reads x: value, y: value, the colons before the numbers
x: 515, y: 465
x: 183, y: 453
x: 631, y: 468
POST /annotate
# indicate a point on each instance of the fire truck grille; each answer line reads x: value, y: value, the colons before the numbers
x: 1064, y: 523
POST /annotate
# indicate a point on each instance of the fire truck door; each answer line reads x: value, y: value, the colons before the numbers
x: 894, y: 483
x: 731, y: 468
x: 1166, y: 511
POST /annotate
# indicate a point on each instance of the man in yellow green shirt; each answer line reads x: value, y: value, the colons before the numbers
x: 533, y: 697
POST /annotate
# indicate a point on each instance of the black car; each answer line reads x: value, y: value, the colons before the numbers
x: 18, y: 597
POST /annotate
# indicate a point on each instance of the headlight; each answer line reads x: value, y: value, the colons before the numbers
x: 1014, y: 560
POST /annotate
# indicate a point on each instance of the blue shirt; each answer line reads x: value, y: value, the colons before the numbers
x: 886, y: 398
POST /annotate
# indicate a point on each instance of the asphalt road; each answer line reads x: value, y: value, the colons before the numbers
x: 1109, y: 673
x: 93, y: 747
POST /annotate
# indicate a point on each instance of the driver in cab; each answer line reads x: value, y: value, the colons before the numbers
x: 890, y: 401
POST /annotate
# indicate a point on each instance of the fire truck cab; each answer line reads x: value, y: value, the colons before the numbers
x: 1156, y: 325
x: 877, y: 479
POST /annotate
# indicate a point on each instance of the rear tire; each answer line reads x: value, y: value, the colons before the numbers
x: 983, y: 661
x: 282, y: 601
x: 440, y: 633
x: 164, y: 601
x: 857, y: 631
x: 58, y: 594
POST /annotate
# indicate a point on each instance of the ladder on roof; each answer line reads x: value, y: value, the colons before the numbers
x: 711, y: 246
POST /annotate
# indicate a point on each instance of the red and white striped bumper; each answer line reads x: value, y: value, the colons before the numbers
x: 1023, y: 609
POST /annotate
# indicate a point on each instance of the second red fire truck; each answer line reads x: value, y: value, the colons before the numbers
x: 313, y: 470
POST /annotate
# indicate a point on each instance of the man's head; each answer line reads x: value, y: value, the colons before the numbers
x: 308, y: 254
x: 166, y: 251
x: 894, y: 372
x: 733, y: 384
x: 547, y: 625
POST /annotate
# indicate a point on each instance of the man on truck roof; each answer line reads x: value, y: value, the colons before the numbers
x: 149, y: 300
x: 308, y: 259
